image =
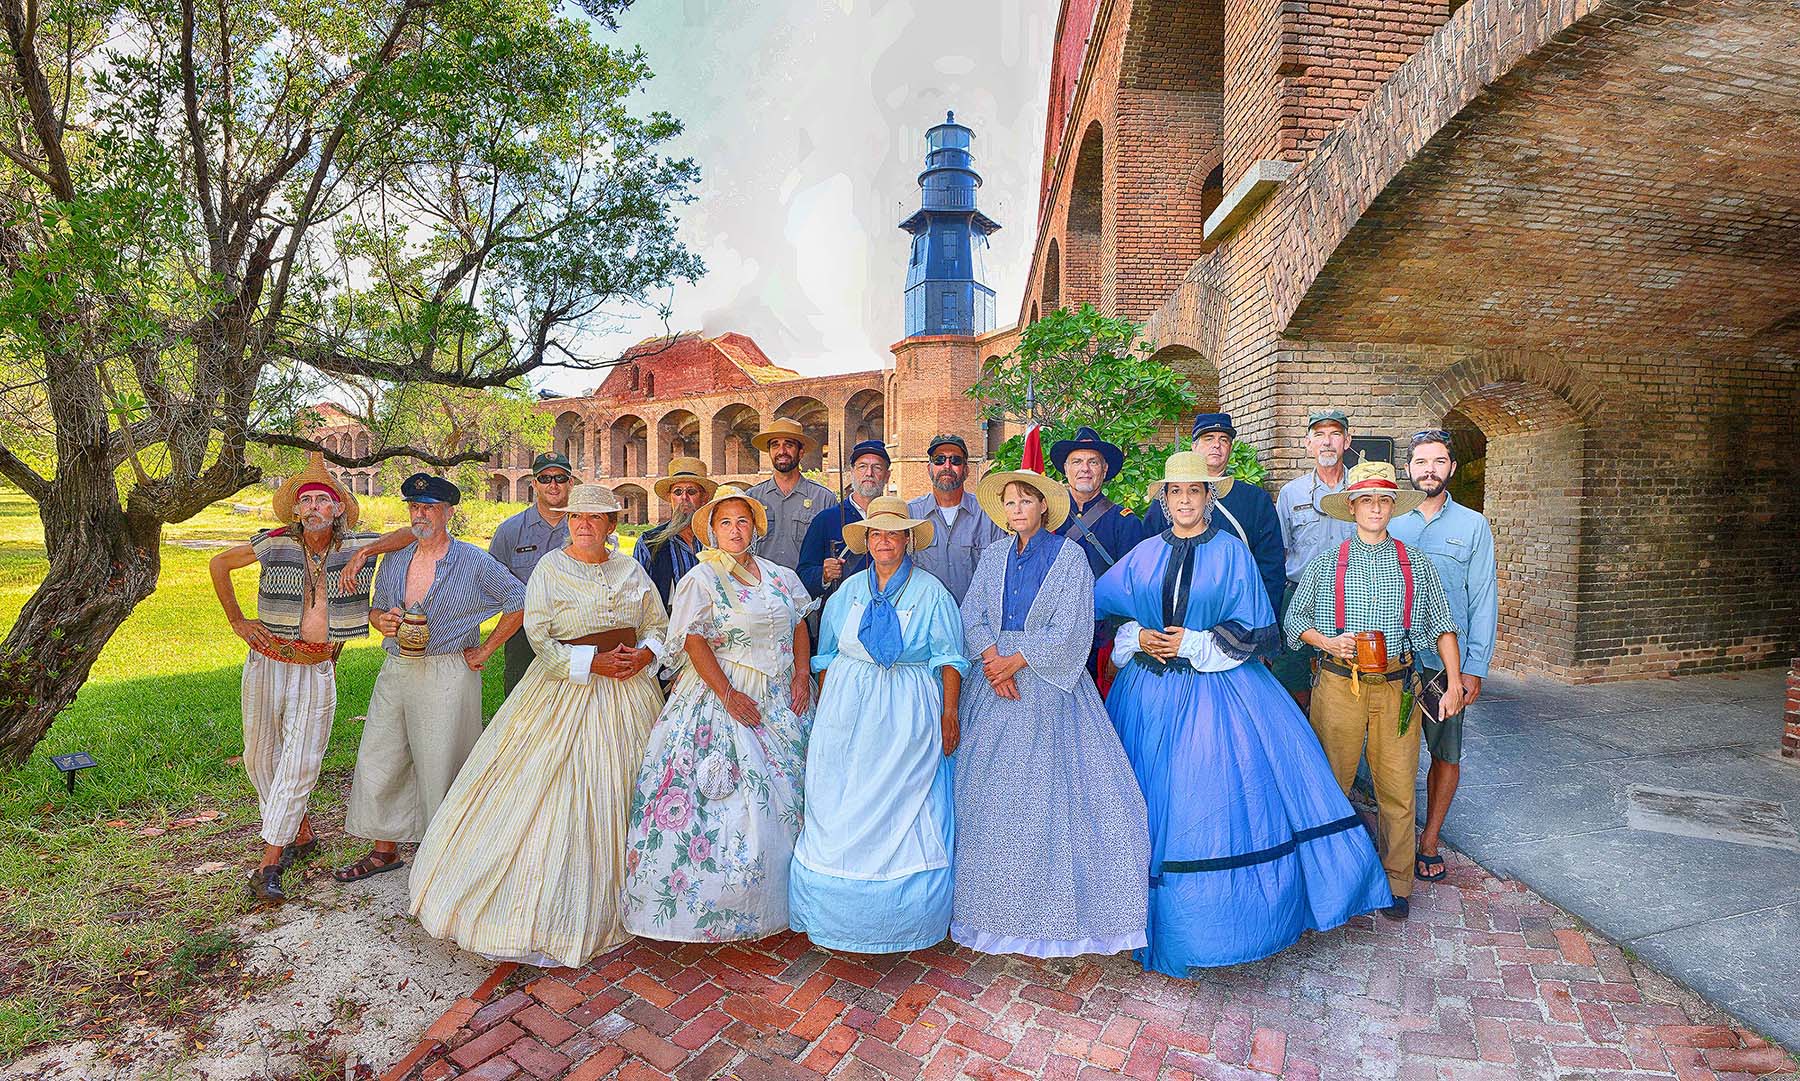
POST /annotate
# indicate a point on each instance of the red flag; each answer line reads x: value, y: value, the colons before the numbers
x: 1033, y: 456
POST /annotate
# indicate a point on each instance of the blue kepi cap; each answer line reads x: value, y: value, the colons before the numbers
x: 425, y: 488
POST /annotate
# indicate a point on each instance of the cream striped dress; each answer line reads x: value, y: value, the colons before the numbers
x: 525, y: 857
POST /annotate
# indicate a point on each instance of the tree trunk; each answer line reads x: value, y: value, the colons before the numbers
x: 103, y: 561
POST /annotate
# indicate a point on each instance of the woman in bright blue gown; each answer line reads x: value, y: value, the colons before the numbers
x: 871, y: 870
x: 1251, y: 840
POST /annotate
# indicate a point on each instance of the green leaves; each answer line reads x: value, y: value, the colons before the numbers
x: 1075, y: 368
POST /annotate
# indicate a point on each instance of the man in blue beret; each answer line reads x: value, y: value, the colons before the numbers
x: 1245, y: 511
x: 823, y: 561
x: 1105, y: 530
x: 425, y: 711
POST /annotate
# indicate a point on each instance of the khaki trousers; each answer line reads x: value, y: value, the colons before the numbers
x: 424, y: 718
x: 287, y: 724
x: 1347, y: 724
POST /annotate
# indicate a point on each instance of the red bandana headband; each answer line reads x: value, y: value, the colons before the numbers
x: 319, y: 486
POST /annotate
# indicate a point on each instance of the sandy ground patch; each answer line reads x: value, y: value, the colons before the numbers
x: 342, y: 974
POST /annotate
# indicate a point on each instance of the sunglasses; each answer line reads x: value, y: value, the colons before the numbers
x: 1431, y: 435
x: 553, y: 478
x: 948, y: 459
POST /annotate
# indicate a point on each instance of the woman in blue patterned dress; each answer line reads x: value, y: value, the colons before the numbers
x: 1051, y: 841
x: 1251, y: 840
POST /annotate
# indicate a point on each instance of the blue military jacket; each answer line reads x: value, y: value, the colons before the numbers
x: 824, y: 539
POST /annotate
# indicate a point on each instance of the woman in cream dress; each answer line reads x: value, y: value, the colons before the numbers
x: 525, y: 857
x: 718, y: 795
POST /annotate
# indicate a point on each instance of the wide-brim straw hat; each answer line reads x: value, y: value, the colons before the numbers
x: 1189, y: 467
x: 888, y: 513
x: 593, y: 499
x: 1370, y: 478
x: 685, y: 469
x: 727, y: 492
x: 992, y: 487
x: 314, y: 473
x: 787, y: 429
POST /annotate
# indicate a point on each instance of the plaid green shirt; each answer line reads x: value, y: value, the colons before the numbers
x: 1374, y: 597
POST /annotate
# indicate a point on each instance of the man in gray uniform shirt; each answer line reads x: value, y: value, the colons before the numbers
x: 960, y: 528
x: 529, y: 536
x: 791, y: 499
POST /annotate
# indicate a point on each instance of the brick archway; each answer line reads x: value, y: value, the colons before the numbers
x: 1052, y: 280
x: 1082, y: 273
x: 732, y: 452
x: 1522, y: 449
x: 677, y: 436
x: 1200, y: 373
x: 865, y: 417
x: 637, y: 504
x: 568, y: 437
x: 630, y: 446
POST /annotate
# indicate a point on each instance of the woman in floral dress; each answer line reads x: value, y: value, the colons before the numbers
x: 717, y: 805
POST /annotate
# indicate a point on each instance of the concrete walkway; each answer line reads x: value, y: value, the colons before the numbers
x: 1660, y: 812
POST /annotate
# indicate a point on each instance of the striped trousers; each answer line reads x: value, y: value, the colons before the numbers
x: 288, y: 710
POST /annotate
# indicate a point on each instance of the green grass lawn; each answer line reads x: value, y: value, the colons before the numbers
x: 91, y: 914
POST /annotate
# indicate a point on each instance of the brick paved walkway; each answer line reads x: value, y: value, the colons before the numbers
x: 1486, y: 981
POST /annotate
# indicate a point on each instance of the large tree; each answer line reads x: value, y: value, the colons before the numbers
x: 208, y: 210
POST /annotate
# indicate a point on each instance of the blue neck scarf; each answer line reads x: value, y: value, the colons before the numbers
x: 879, y: 630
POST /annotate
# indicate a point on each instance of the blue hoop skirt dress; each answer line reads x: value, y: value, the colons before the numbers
x: 1251, y: 840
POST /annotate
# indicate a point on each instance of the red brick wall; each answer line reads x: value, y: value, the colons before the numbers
x: 1790, y: 736
x: 1335, y: 55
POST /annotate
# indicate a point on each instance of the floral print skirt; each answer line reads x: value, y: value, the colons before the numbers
x: 715, y: 814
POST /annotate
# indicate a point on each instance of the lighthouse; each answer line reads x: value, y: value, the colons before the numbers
x: 946, y: 275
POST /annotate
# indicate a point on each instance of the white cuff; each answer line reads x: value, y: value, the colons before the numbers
x: 654, y: 645
x: 581, y: 663
x: 1125, y: 643
x: 1202, y: 650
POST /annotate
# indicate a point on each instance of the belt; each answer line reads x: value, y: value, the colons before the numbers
x: 1403, y: 668
x: 294, y: 651
x: 1160, y: 667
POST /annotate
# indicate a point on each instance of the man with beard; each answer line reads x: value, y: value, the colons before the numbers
x: 822, y: 558
x: 1306, y: 530
x: 792, y: 500
x: 425, y: 710
x: 672, y: 549
x: 303, y: 618
x: 1245, y: 509
x: 529, y: 536
x: 1105, y: 531
x: 1460, y: 545
x: 960, y: 529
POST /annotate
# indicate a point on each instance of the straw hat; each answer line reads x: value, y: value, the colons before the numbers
x: 685, y: 469
x: 314, y: 473
x: 887, y: 512
x: 593, y: 499
x: 787, y: 429
x: 1370, y: 478
x: 1187, y: 467
x: 727, y: 492
x: 988, y: 494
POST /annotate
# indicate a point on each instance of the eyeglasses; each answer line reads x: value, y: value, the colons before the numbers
x: 553, y: 478
x: 948, y: 459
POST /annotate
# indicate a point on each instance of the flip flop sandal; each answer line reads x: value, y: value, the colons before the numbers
x: 367, y: 867
x: 1434, y: 869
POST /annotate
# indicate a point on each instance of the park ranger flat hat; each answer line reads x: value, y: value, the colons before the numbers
x: 785, y: 429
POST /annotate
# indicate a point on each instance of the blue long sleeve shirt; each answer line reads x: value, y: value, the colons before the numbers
x: 1460, y: 544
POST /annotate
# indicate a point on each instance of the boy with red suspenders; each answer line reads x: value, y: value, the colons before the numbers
x: 1372, y: 583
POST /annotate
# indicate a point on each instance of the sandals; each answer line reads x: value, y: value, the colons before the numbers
x: 1430, y: 868
x: 367, y: 867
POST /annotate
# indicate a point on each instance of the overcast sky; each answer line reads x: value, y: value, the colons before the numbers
x: 808, y: 119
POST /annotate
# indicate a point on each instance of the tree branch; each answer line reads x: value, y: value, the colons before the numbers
x: 28, y: 479
x: 280, y: 439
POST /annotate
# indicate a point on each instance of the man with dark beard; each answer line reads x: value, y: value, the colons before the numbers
x: 822, y: 556
x: 791, y: 499
x: 671, y: 549
x: 303, y: 618
x: 960, y: 531
x: 1460, y: 544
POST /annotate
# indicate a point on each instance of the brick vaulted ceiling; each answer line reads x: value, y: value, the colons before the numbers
x: 1633, y: 183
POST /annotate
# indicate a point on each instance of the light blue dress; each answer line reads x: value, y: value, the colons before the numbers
x: 871, y: 871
